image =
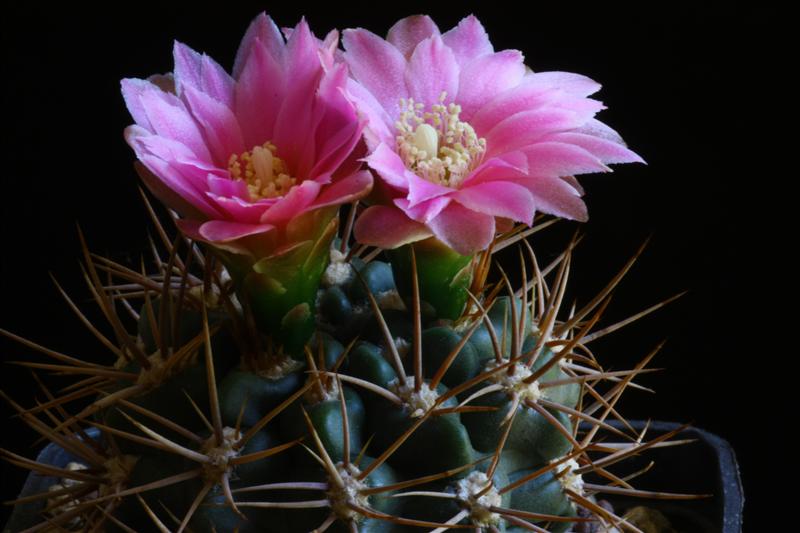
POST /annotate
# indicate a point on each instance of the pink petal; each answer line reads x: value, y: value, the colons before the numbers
x: 573, y: 182
x: 173, y: 121
x: 556, y: 197
x: 573, y: 84
x: 186, y: 202
x: 219, y: 125
x: 194, y: 171
x: 525, y: 97
x: 295, y: 125
x: 486, y: 77
x: 598, y: 129
x: 345, y: 190
x: 262, y: 33
x: 202, y: 73
x: 407, y: 33
x: 420, y: 190
x: 377, y: 65
x: 605, y: 150
x: 132, y: 90
x: 339, y: 128
x: 387, y: 227
x: 560, y: 159
x: 227, y: 187
x: 432, y: 70
x: 522, y: 129
x: 259, y: 92
x: 379, y: 125
x: 225, y: 231
x: 296, y: 201
x: 468, y: 40
x: 171, y: 187
x: 500, y: 199
x: 239, y: 210
x: 462, y: 229
x: 389, y: 166
x: 510, y: 165
x: 425, y: 211
x: 330, y: 54
x: 190, y: 228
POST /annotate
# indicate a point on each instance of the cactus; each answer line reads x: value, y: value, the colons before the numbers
x: 390, y: 418
x: 274, y: 373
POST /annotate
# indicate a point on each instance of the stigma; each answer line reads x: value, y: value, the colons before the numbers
x: 436, y: 144
x: 263, y: 171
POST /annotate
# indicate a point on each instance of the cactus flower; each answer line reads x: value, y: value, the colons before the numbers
x: 465, y: 138
x: 241, y: 156
x: 256, y: 163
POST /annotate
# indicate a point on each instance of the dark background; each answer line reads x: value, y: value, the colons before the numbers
x: 693, y: 90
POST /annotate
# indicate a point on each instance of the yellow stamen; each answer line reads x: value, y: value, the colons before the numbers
x: 265, y: 173
x: 437, y: 145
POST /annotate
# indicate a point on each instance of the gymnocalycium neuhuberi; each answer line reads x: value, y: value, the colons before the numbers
x: 320, y: 339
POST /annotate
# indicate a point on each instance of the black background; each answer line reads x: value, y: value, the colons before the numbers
x: 693, y: 90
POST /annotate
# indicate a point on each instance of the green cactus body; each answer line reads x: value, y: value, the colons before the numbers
x: 383, y: 421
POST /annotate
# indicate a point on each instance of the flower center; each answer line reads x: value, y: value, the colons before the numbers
x: 264, y: 172
x: 436, y: 144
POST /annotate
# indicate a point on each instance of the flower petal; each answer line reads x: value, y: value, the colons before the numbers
x: 486, y: 77
x: 185, y: 201
x: 379, y: 125
x: 407, y: 33
x: 387, y: 227
x: 227, y: 187
x: 259, y: 91
x: 294, y: 128
x: 377, y: 65
x: 552, y: 159
x: 510, y: 165
x: 339, y: 127
x: 225, y: 231
x: 573, y: 84
x: 425, y: 211
x: 132, y: 90
x: 219, y: 125
x: 262, y: 33
x: 169, y: 118
x: 345, y: 190
x: 468, y: 40
x: 238, y: 209
x: 171, y: 187
x: 523, y: 129
x: 500, y: 199
x: 431, y: 71
x: 389, y: 166
x: 607, y: 151
x: 202, y: 73
x: 420, y: 190
x: 296, y: 201
x: 462, y: 229
x: 556, y: 197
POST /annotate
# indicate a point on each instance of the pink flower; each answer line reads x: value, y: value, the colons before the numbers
x: 240, y: 157
x: 462, y: 135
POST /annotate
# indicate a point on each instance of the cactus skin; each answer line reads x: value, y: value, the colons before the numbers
x: 450, y: 441
x: 220, y: 436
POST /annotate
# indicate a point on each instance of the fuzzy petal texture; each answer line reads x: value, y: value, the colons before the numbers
x: 432, y: 70
x: 407, y: 33
x: 377, y: 65
x: 463, y: 229
x: 388, y: 228
x: 196, y: 135
x: 533, y: 132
